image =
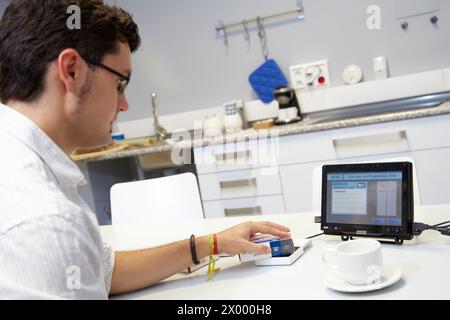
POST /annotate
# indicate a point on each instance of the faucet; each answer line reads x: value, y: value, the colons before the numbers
x: 160, y: 131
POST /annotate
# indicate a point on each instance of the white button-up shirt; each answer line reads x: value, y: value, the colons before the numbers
x: 50, y: 243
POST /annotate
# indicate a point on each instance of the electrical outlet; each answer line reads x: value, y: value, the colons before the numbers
x: 310, y: 75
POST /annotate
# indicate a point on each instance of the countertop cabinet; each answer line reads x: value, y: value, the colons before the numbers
x: 295, y: 161
x: 433, y: 173
x: 422, y: 141
x: 240, y: 178
x: 238, y: 184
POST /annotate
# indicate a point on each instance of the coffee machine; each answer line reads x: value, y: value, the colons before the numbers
x: 289, y: 107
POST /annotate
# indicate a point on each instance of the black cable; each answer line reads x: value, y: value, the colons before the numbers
x: 316, y: 235
x: 440, y: 224
x: 443, y: 228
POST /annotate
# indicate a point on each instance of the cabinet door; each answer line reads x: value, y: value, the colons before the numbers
x: 433, y: 170
x: 429, y: 133
x: 237, y: 156
x: 306, y: 147
x: 240, y: 184
x: 244, y: 207
x: 301, y: 186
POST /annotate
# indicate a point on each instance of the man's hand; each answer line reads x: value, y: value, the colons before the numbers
x: 142, y: 268
x: 237, y: 239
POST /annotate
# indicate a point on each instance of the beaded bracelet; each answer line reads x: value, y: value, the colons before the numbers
x: 193, y: 251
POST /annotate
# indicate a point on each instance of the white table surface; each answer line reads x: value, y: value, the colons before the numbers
x: 425, y: 262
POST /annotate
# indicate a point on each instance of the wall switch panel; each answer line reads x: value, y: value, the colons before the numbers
x: 310, y: 75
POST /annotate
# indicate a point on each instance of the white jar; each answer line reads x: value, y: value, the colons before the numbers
x: 212, y: 125
x: 232, y: 122
x: 380, y: 68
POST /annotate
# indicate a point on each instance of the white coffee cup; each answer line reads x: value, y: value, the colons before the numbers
x: 356, y: 261
x: 288, y: 113
x: 292, y: 112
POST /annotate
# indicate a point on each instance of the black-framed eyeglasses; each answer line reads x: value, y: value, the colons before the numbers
x: 122, y: 81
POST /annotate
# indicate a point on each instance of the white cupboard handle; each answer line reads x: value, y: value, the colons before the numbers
x: 233, y: 156
x: 238, y: 183
x: 367, y: 139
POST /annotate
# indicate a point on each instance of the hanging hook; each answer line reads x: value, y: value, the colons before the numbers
x: 262, y: 37
x: 261, y: 31
x: 222, y: 29
x: 245, y: 26
x: 225, y: 36
x: 301, y: 11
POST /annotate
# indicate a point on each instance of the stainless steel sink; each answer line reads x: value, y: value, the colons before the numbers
x: 379, y: 108
x: 159, y: 159
x: 156, y: 160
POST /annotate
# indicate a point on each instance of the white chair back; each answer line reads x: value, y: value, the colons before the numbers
x: 168, y: 198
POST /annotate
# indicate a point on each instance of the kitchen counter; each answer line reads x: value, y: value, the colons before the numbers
x: 306, y: 126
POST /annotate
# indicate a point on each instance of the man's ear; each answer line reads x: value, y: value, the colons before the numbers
x: 72, y: 70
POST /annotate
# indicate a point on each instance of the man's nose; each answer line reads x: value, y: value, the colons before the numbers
x: 123, y: 103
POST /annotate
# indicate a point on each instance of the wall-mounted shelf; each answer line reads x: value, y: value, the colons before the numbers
x: 411, y: 85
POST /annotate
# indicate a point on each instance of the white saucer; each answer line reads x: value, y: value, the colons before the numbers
x: 389, y: 276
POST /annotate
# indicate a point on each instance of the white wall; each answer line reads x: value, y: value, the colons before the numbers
x: 184, y: 61
x: 3, y: 4
x: 187, y: 64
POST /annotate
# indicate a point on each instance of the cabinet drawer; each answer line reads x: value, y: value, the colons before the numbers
x: 307, y: 147
x: 237, y: 156
x: 391, y: 137
x: 343, y: 143
x: 244, y: 207
x: 370, y: 141
x: 367, y: 140
x: 240, y: 184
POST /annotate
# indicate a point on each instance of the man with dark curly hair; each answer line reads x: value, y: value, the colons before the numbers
x: 61, y: 89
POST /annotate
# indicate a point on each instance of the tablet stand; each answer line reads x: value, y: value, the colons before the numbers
x: 396, y: 240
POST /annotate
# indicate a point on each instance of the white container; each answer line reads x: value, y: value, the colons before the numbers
x: 257, y: 110
x: 116, y: 134
x: 232, y: 123
x: 212, y: 125
x: 232, y: 120
x: 380, y: 68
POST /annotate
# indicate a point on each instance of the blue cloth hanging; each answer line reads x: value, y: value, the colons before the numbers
x: 266, y: 78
